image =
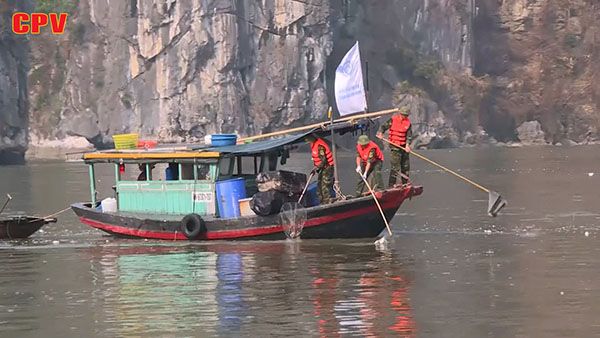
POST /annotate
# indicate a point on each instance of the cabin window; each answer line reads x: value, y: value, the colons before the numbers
x: 135, y: 171
x: 226, y: 166
x: 204, y: 172
x: 172, y: 171
x: 145, y: 171
x: 187, y: 171
x: 239, y: 166
x: 246, y: 165
x: 268, y: 162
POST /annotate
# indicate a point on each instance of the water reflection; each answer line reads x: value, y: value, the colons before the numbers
x: 241, y: 289
x: 230, y: 272
x: 17, y: 298
x: 452, y: 270
x: 374, y: 299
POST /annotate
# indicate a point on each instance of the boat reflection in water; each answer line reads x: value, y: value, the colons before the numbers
x: 376, y: 304
x: 230, y: 272
x: 256, y: 289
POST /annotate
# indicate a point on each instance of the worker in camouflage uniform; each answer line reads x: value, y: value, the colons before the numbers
x: 400, y: 133
x: 323, y: 165
x: 369, y: 160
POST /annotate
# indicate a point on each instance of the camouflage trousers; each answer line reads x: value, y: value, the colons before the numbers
x: 400, y: 163
x: 325, y: 185
x: 373, y: 177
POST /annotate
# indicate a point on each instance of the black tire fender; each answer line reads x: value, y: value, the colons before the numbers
x: 193, y: 226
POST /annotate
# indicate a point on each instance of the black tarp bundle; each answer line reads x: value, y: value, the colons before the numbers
x: 265, y: 203
x: 275, y: 189
x: 281, y: 180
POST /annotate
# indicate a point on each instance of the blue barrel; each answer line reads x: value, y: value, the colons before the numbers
x: 311, y: 198
x: 229, y: 192
x: 172, y: 172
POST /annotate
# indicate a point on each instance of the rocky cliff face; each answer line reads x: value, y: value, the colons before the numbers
x: 541, y: 58
x: 471, y: 70
x: 13, y: 86
x: 181, y: 68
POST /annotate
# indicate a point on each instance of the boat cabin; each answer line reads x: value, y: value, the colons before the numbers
x: 185, y: 180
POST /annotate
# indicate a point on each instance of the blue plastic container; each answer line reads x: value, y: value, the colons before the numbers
x: 172, y: 172
x: 229, y: 193
x: 221, y: 140
x: 311, y: 198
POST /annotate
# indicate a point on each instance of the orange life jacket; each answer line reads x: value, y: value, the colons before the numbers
x: 363, y: 153
x: 315, y: 152
x: 399, y: 128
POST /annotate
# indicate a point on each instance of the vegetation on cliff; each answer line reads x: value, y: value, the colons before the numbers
x: 56, y: 6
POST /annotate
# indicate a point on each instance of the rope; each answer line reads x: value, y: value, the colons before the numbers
x: 51, y: 215
x: 338, y: 191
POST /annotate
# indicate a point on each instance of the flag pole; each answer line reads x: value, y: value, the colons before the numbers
x: 336, y: 179
x: 367, y: 89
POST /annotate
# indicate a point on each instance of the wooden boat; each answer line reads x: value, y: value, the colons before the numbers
x: 12, y: 227
x: 186, y: 208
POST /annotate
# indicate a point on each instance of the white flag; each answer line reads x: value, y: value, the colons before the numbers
x: 349, y: 89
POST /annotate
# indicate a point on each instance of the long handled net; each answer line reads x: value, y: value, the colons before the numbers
x: 293, y: 219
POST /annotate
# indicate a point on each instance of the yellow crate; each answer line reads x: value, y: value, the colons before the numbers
x: 126, y: 141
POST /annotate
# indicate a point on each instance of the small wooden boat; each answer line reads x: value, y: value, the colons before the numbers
x: 187, y: 207
x: 12, y: 227
x: 355, y: 218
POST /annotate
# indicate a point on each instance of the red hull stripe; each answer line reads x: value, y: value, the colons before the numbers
x: 229, y: 234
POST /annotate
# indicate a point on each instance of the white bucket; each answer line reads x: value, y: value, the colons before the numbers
x: 109, y: 205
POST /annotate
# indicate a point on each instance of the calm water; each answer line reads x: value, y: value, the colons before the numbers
x: 450, y: 271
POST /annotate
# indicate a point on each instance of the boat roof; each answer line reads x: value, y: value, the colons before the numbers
x: 200, y: 151
x: 256, y: 147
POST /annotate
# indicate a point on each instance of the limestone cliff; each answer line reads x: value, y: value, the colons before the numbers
x: 179, y: 69
x: 471, y: 70
x: 543, y: 61
x: 13, y: 86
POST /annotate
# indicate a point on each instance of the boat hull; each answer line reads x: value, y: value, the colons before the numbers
x: 18, y: 227
x: 355, y: 218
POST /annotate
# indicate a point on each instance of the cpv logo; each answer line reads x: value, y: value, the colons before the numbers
x: 24, y: 23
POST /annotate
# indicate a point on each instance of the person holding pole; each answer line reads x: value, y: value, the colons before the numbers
x: 323, y: 165
x: 369, y: 161
x: 400, y: 132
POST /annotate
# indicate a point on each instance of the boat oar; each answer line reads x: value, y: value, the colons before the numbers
x: 387, y: 225
x: 495, y: 201
x: 8, y: 199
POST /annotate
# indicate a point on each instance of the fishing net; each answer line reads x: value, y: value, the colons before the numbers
x: 293, y: 218
x: 495, y: 203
